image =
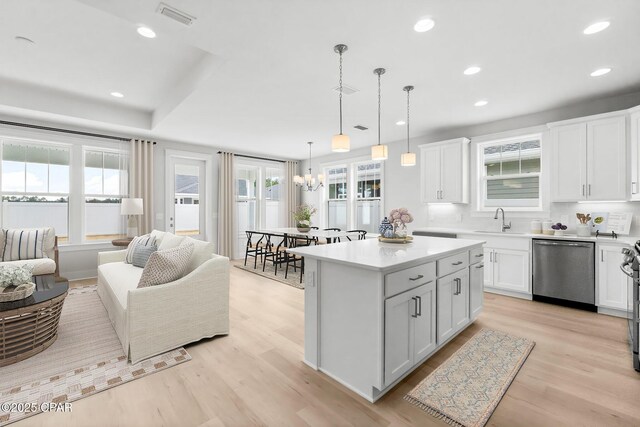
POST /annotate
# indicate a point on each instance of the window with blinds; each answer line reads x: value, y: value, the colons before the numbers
x: 511, y: 172
x: 105, y: 184
x: 35, y: 185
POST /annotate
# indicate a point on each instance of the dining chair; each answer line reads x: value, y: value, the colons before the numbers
x: 335, y: 239
x: 292, y: 258
x: 254, y: 250
x: 275, y: 252
x: 362, y: 234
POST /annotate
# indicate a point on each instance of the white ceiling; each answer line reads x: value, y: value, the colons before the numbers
x: 257, y: 75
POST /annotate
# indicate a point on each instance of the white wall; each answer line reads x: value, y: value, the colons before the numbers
x: 402, y: 184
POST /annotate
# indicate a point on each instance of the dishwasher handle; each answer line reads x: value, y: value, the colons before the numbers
x: 573, y: 244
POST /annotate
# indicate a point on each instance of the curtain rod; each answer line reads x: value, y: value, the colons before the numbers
x: 257, y: 158
x: 74, y: 132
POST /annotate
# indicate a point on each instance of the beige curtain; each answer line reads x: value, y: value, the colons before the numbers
x: 141, y: 180
x: 291, y: 169
x: 226, y: 205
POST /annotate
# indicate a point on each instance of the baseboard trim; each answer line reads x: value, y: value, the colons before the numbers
x: 508, y: 293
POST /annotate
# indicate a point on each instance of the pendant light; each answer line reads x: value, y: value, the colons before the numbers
x: 380, y: 151
x: 340, y: 143
x: 408, y: 158
x: 307, y: 182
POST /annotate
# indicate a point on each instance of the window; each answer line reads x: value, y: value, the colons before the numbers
x: 353, y: 194
x: 35, y: 185
x: 105, y: 184
x: 510, y: 173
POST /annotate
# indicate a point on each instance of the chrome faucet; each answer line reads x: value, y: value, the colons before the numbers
x: 505, y: 227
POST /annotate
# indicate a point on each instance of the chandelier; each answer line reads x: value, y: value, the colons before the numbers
x: 308, y: 182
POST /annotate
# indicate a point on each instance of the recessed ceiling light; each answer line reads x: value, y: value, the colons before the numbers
x: 424, y: 25
x: 600, y: 72
x: 596, y: 28
x: 481, y: 103
x: 472, y: 70
x: 146, y: 32
x: 117, y: 94
x: 401, y: 122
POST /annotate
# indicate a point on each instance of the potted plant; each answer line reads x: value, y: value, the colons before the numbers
x: 302, y: 217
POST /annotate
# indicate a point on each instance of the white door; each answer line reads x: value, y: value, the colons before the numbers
x: 398, y: 346
x: 511, y: 270
x: 612, y: 283
x: 451, y: 164
x: 607, y: 159
x: 425, y: 324
x: 476, y: 281
x: 246, y: 191
x: 430, y: 173
x: 568, y: 162
x: 186, y: 198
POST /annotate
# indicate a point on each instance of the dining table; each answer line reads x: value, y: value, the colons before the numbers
x: 331, y: 236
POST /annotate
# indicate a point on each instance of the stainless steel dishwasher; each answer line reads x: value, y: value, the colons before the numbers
x: 564, y: 273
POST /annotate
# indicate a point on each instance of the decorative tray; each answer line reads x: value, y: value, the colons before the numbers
x: 15, y: 293
x: 407, y: 239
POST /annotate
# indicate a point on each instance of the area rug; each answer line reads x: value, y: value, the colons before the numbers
x: 293, y: 278
x: 86, y: 359
x: 465, y: 390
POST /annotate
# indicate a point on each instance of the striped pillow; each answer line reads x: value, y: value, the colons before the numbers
x: 146, y: 240
x: 141, y: 255
x: 22, y: 244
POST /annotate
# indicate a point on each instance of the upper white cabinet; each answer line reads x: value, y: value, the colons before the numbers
x: 589, y: 160
x: 634, y: 130
x: 444, y: 171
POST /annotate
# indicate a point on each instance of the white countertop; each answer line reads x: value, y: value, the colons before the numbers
x: 621, y: 240
x: 374, y: 255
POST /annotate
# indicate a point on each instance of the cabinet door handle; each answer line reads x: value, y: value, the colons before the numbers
x: 479, y: 255
x: 495, y: 256
x: 491, y: 256
x: 441, y: 194
x: 634, y: 187
x: 418, y: 277
x: 589, y: 189
x: 456, y: 263
x: 583, y: 186
x: 419, y: 309
x: 415, y: 307
x: 480, y: 266
x: 601, y: 255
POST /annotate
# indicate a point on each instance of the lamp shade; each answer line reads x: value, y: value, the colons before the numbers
x: 132, y: 206
x: 408, y: 159
x: 379, y: 152
x: 340, y: 143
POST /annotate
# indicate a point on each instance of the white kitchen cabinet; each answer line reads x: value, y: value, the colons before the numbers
x: 410, y: 329
x: 476, y: 288
x: 444, y: 171
x: 507, y: 269
x: 634, y: 129
x: 612, y: 283
x: 589, y: 160
x: 453, y: 304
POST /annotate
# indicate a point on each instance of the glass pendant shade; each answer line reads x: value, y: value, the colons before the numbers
x: 379, y: 152
x: 340, y: 143
x: 408, y: 159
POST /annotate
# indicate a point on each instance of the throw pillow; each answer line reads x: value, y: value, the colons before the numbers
x: 165, y: 266
x: 141, y: 254
x: 202, y: 251
x: 146, y: 240
x: 170, y: 240
x: 23, y: 244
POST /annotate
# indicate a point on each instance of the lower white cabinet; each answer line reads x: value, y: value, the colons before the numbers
x: 476, y: 288
x: 410, y: 329
x: 507, y: 269
x: 453, y: 303
x: 612, y: 283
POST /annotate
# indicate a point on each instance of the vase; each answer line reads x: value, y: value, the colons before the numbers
x: 583, y: 230
x: 303, y: 229
x: 559, y: 233
x: 399, y: 230
x: 385, y: 227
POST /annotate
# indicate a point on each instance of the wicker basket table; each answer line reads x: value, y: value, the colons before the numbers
x: 30, y: 325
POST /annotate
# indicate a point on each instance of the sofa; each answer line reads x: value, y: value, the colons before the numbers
x: 40, y: 266
x: 156, y: 319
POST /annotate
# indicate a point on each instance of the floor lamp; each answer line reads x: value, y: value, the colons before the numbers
x: 132, y: 207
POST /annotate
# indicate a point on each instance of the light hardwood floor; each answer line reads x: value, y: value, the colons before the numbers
x: 578, y: 374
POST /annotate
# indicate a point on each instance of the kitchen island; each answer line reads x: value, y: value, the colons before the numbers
x: 376, y: 311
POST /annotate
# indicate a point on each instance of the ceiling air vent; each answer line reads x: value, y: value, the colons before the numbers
x: 346, y: 90
x: 360, y: 127
x: 175, y: 14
